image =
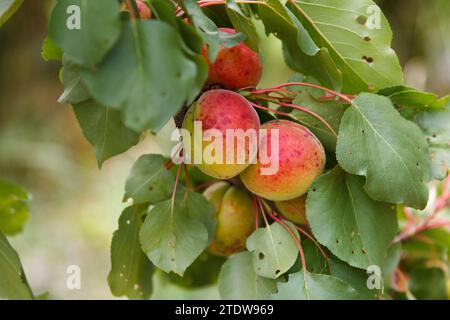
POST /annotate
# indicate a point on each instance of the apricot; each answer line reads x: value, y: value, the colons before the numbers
x: 294, y: 210
x: 301, y: 159
x: 236, y: 67
x: 234, y: 214
x: 222, y: 111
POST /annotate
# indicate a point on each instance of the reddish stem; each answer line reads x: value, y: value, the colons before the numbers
x: 271, y: 110
x: 204, y: 185
x: 306, y: 84
x: 312, y: 113
x: 293, y: 235
x: 255, y: 213
x: 310, y: 237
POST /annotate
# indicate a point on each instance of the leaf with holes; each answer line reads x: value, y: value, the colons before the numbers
x: 142, y: 72
x: 104, y: 129
x: 390, y: 151
x: 300, y: 50
x: 131, y: 271
x: 173, y: 236
x: 13, y: 283
x: 273, y: 250
x: 14, y: 211
x: 357, y: 229
x: 85, y: 30
x: 310, y: 286
x: 149, y: 180
x: 239, y: 281
x: 358, y: 38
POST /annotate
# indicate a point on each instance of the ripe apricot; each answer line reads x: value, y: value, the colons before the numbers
x: 301, y: 160
x: 226, y: 113
x: 235, y: 67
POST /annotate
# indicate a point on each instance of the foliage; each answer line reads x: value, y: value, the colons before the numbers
x: 126, y: 76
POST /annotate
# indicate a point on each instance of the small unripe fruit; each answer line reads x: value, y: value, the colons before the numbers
x: 234, y: 214
x: 222, y: 110
x: 235, y: 67
x: 294, y: 210
x: 301, y: 161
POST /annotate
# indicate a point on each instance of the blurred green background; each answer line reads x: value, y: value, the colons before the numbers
x: 75, y: 206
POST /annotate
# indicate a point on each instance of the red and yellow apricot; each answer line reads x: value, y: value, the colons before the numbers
x: 222, y: 110
x: 301, y: 160
x: 236, y: 67
x: 234, y: 214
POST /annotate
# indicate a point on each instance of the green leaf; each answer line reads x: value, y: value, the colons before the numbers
x: 50, y: 51
x: 7, y: 9
x: 203, y: 210
x: 428, y: 283
x: 74, y: 89
x: 330, y: 111
x: 131, y: 272
x: 173, y: 236
x: 356, y: 278
x: 203, y: 272
x: 244, y: 24
x: 98, y: 30
x: 273, y: 250
x: 357, y: 229
x: 239, y: 281
x: 211, y: 33
x: 391, y: 152
x: 14, y: 211
x: 358, y: 46
x: 148, y: 75
x: 13, y: 283
x: 149, y: 180
x: 104, y: 129
x: 435, y: 124
x: 310, y: 286
x: 300, y: 50
x: 413, y: 98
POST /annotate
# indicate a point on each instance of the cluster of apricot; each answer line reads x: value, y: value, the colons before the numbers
x: 301, y: 157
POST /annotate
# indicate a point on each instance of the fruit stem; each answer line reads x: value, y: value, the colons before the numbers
x: 312, y: 113
x: 255, y: 212
x: 306, y: 84
x: 271, y: 110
